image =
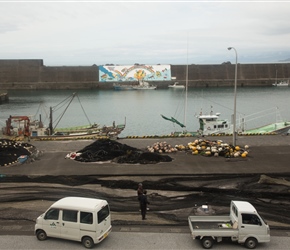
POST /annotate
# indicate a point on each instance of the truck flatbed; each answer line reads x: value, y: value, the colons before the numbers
x: 243, y: 225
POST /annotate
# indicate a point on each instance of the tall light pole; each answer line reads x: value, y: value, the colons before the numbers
x: 235, y: 97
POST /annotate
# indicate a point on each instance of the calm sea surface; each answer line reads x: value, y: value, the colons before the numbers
x: 142, y: 109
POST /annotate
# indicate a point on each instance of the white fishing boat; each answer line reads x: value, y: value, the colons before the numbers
x: 281, y: 84
x: 118, y: 86
x: 176, y: 85
x: 144, y: 86
x: 211, y: 124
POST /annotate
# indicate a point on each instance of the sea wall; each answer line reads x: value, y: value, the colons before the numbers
x: 222, y: 75
x: 33, y: 74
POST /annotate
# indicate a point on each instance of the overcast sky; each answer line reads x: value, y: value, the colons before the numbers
x: 150, y: 32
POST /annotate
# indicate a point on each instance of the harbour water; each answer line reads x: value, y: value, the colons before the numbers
x: 142, y: 109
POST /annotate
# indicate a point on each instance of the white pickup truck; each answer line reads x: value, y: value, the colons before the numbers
x: 244, y: 225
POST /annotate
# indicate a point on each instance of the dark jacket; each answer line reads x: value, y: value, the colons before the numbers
x: 143, y: 200
x: 139, y: 192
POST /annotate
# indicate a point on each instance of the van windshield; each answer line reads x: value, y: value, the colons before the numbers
x: 103, y: 214
x: 52, y: 214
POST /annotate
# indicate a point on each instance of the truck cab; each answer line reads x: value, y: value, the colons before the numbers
x: 251, y: 226
x: 243, y: 225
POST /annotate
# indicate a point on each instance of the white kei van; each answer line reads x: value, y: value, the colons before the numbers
x: 76, y: 218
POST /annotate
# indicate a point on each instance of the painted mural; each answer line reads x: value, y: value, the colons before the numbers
x: 137, y: 72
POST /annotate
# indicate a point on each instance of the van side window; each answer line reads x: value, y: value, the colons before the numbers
x: 52, y: 214
x: 103, y: 214
x: 86, y: 218
x: 251, y: 219
x: 70, y: 215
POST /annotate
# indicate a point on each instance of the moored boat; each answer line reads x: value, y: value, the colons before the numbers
x: 4, y: 97
x: 17, y: 126
x: 176, y: 85
x: 212, y: 124
x: 91, y: 130
x: 281, y: 84
x: 142, y: 85
x: 118, y: 86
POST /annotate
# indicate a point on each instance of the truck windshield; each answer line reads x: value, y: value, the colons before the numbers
x: 251, y: 219
x: 103, y: 214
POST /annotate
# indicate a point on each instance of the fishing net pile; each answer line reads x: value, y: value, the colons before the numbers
x: 10, y: 151
x: 110, y: 150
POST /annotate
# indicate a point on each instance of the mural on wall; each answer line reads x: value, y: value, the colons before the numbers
x: 137, y: 72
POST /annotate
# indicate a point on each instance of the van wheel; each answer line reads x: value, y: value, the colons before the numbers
x: 207, y: 242
x: 87, y: 242
x: 251, y: 243
x: 41, y: 235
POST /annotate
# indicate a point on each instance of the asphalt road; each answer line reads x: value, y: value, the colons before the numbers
x: 133, y: 240
x: 268, y: 154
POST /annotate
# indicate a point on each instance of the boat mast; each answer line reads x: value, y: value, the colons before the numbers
x: 50, y: 121
x: 186, y: 84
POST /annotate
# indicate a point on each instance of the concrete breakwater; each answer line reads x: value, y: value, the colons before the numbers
x: 33, y: 74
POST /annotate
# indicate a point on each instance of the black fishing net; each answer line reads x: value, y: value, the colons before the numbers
x: 109, y: 150
x: 11, y: 150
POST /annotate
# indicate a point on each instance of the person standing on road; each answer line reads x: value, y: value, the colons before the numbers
x: 139, y: 193
x: 143, y: 204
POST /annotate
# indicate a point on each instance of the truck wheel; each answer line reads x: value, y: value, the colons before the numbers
x: 207, y: 242
x: 87, y: 242
x: 41, y: 235
x: 251, y: 243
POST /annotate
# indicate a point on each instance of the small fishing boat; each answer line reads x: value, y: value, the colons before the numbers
x: 4, y: 97
x: 142, y: 85
x: 25, y: 126
x: 176, y: 85
x: 90, y: 130
x: 118, y: 86
x: 212, y: 124
x: 281, y: 84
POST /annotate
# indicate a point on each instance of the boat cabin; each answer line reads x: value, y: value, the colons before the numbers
x: 211, y: 124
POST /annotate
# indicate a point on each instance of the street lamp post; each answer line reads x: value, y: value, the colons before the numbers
x: 235, y: 97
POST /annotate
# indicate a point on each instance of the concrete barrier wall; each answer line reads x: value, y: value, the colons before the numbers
x: 32, y: 74
x: 224, y: 74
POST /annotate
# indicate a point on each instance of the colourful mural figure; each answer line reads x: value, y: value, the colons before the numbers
x: 137, y: 72
x: 140, y: 75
